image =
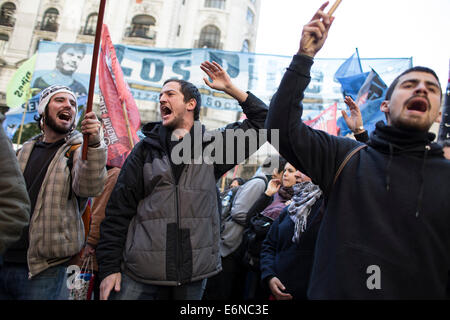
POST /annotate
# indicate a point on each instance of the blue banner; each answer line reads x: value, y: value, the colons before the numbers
x: 145, y: 70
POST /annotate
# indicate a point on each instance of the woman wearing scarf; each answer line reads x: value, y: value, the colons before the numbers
x: 268, y: 207
x: 287, y: 251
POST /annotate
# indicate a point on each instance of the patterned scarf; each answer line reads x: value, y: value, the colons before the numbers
x: 305, y: 195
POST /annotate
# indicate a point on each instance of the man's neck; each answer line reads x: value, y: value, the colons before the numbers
x: 181, y: 131
x: 51, y: 136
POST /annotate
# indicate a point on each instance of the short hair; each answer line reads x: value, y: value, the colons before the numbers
x: 268, y: 162
x: 239, y: 180
x: 446, y: 143
x: 189, y: 91
x: 76, y: 46
x: 394, y: 83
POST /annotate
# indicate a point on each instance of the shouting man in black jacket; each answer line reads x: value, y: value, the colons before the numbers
x: 386, y: 230
x: 160, y: 237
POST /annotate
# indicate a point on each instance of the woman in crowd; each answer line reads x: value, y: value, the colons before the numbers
x: 260, y: 216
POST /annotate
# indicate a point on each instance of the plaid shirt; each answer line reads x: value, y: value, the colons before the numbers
x: 56, y: 228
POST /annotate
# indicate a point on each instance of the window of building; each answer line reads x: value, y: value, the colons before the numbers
x: 218, y: 4
x: 209, y: 37
x: 245, y: 46
x: 4, y: 38
x: 178, y: 30
x: 91, y: 24
x: 7, y: 12
x: 50, y: 20
x: 250, y: 16
x: 140, y: 26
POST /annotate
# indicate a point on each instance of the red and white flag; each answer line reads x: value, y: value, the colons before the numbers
x: 114, y: 94
x: 325, y: 121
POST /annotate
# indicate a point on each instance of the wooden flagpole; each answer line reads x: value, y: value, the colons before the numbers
x: 125, y: 115
x: 23, y: 116
x: 98, y: 34
x: 330, y: 13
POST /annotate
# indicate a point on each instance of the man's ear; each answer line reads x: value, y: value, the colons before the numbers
x: 439, y: 117
x: 384, y: 107
x: 191, y: 104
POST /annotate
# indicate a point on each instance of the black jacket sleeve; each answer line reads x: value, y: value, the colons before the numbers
x: 314, y: 152
x: 256, y: 113
x: 269, y: 249
x: 14, y: 200
x: 121, y: 208
x: 362, y: 137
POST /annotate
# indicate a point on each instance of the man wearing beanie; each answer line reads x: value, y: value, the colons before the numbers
x: 35, y: 266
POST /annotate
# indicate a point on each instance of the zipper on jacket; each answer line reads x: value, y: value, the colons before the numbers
x: 178, y: 246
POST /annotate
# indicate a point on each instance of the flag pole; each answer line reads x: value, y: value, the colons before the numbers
x: 23, y: 117
x: 98, y: 34
x: 330, y: 13
x: 127, y: 122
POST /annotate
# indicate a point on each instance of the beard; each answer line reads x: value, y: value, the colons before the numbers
x: 51, y: 123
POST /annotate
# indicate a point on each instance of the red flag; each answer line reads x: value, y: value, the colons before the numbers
x: 326, y: 121
x: 116, y: 94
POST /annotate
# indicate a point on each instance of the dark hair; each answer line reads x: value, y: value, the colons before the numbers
x: 189, y: 91
x: 446, y: 143
x: 281, y: 162
x: 239, y: 180
x: 76, y: 46
x: 413, y: 69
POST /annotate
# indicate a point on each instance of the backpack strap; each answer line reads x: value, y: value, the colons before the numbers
x: 262, y: 178
x: 347, y: 158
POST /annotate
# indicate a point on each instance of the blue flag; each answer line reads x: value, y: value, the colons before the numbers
x: 351, y: 76
x: 369, y: 99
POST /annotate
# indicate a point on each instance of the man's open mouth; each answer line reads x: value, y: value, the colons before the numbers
x: 420, y: 104
x: 65, y: 115
x: 165, y: 111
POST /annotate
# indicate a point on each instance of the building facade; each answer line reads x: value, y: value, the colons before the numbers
x: 219, y: 24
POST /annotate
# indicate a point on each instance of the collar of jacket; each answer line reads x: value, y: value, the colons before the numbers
x: 156, y: 134
x: 388, y: 139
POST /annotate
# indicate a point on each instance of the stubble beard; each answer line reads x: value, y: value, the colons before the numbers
x: 51, y: 123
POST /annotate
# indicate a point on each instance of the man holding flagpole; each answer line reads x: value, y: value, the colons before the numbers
x: 58, y: 184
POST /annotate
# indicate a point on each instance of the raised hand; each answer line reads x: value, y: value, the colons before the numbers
x: 354, y: 122
x: 221, y: 80
x: 317, y: 29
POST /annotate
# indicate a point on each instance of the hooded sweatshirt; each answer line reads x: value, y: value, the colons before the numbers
x: 386, y: 231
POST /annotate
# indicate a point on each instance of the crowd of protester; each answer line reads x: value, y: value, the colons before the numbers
x: 308, y: 224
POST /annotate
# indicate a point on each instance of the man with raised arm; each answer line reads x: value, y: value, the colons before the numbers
x: 161, y: 233
x: 385, y: 233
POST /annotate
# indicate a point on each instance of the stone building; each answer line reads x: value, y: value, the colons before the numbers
x: 219, y: 24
